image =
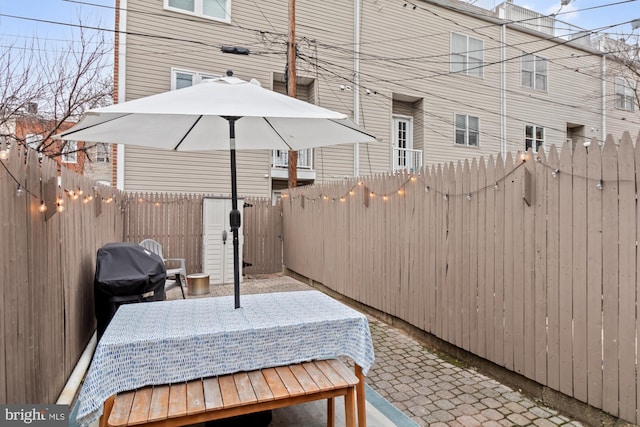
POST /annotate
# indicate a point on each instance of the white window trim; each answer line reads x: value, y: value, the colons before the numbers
x: 198, y: 76
x: 536, y: 58
x: 544, y: 137
x: 198, y: 11
x: 466, y: 134
x: 70, y: 157
x: 628, y: 93
x: 107, y: 147
x: 465, y: 69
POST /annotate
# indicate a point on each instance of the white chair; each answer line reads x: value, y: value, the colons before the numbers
x: 179, y: 274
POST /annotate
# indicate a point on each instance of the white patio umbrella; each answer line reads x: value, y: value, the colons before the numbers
x: 219, y: 114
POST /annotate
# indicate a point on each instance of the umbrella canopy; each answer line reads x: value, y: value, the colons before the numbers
x: 219, y: 114
x: 193, y: 119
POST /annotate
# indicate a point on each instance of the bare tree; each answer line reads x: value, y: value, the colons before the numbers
x: 625, y: 53
x: 49, y: 89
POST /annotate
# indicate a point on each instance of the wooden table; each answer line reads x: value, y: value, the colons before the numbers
x: 170, y: 342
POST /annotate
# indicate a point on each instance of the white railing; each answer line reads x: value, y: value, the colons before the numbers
x: 281, y: 159
x: 407, y: 159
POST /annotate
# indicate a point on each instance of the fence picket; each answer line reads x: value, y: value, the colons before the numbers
x: 610, y: 277
x: 594, y: 277
x: 627, y: 277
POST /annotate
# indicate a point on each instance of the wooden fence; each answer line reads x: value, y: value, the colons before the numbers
x: 530, y: 264
x: 262, y: 225
x: 47, y: 263
x: 173, y: 220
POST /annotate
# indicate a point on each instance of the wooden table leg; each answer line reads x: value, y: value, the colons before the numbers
x: 360, y: 398
x: 331, y: 412
x: 349, y: 416
x: 108, y: 406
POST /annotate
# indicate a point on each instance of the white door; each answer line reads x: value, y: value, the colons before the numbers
x: 217, y: 251
x: 402, y: 142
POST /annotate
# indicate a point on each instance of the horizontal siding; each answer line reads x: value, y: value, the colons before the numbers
x: 151, y: 170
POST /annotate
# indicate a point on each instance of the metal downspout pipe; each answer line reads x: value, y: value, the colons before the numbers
x: 503, y: 91
x: 356, y: 83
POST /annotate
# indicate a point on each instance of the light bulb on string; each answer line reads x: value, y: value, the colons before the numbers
x: 85, y: 200
x: 496, y: 186
x: 4, y: 154
x: 413, y: 179
x: 554, y: 173
x: 400, y: 192
x: 385, y: 197
x: 446, y: 197
x: 42, y: 207
x: 19, y: 191
x: 59, y: 207
x: 468, y: 196
x: 426, y: 189
x: 600, y: 185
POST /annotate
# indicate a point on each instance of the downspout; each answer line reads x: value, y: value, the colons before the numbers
x: 356, y: 83
x: 121, y: 28
x: 503, y: 91
x: 604, y: 98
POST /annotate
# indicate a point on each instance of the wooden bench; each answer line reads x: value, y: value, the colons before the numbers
x: 235, y: 394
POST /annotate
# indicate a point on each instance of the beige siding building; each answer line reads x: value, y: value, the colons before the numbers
x: 435, y: 81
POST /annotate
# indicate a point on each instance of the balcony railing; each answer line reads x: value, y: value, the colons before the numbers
x: 281, y: 159
x: 407, y: 160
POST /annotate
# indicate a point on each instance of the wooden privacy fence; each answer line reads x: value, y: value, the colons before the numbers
x: 173, y: 220
x: 530, y: 264
x: 262, y: 225
x: 47, y: 264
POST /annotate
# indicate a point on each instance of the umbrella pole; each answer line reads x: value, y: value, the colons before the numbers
x: 234, y: 215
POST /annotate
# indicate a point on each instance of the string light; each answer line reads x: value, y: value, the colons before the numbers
x: 42, y: 207
x: 401, y: 192
x: 85, y: 200
x: 414, y: 179
x: 385, y: 197
x: 468, y: 196
x: 426, y: 189
x: 351, y: 192
x: 554, y: 173
x: 446, y: 197
x: 4, y: 154
x: 496, y: 186
x: 59, y: 207
x: 342, y: 199
x: 600, y: 185
x: 19, y: 191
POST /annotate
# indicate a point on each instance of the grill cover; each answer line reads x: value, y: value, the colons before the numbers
x: 125, y: 273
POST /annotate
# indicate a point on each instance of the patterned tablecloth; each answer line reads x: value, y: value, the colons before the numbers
x: 174, y: 341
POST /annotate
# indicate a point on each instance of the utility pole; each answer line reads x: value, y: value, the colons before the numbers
x: 291, y: 86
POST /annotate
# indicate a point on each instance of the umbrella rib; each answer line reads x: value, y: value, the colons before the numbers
x: 277, y: 133
x: 187, y: 133
x: 356, y: 129
x: 71, y: 132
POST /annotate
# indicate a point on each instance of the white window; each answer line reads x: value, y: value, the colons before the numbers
x: 466, y: 55
x: 183, y: 78
x: 467, y: 130
x: 70, y: 152
x: 534, y: 72
x: 103, y: 152
x: 625, y: 94
x: 220, y: 10
x: 533, y: 137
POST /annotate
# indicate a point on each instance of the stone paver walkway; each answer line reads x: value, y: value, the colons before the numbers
x: 428, y: 388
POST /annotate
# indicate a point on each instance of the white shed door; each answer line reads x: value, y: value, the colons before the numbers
x: 218, y: 241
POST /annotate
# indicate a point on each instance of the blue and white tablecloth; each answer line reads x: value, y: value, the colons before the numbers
x: 174, y: 341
